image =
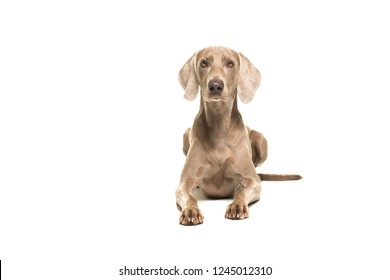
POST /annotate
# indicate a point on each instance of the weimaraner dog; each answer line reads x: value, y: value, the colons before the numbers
x: 221, y: 152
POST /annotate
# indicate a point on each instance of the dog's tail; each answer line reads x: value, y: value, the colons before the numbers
x: 279, y: 177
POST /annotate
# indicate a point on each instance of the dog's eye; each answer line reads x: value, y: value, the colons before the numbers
x: 204, y: 63
x: 230, y: 64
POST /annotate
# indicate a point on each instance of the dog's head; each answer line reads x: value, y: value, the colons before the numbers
x: 220, y: 73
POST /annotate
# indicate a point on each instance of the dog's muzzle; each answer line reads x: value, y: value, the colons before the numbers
x: 216, y: 86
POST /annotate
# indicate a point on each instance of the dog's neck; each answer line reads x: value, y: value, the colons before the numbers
x: 218, y: 118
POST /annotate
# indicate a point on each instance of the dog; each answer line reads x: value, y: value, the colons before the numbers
x: 221, y: 152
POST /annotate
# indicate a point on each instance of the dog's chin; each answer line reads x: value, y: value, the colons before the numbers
x: 216, y: 98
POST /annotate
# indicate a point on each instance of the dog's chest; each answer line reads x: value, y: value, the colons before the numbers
x: 219, y: 156
x: 220, y: 166
x: 219, y: 177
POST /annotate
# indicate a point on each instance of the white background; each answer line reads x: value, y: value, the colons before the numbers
x: 91, y: 123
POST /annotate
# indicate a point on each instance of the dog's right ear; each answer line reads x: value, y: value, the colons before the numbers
x: 187, y: 79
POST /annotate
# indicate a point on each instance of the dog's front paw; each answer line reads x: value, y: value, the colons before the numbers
x: 237, y: 211
x: 191, y: 216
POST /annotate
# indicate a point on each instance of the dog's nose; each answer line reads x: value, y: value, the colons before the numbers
x: 216, y: 86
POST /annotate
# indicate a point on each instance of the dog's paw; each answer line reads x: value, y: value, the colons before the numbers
x: 191, y: 216
x: 237, y: 211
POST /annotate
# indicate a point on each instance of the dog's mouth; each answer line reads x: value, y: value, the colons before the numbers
x: 215, y: 97
x: 212, y: 97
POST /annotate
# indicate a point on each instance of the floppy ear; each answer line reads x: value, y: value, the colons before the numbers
x: 249, y: 79
x: 187, y: 79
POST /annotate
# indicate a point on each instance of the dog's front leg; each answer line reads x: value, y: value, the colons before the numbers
x: 190, y: 212
x: 248, y: 191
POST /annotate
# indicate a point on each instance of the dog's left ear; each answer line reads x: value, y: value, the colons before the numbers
x: 187, y: 79
x: 249, y: 79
